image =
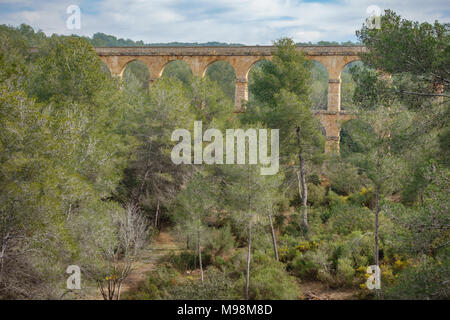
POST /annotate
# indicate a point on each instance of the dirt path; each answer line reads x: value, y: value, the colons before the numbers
x: 316, y: 290
x: 150, y: 256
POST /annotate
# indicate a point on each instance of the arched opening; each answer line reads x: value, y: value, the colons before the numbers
x: 255, y: 70
x: 136, y: 74
x: 178, y: 69
x: 223, y: 73
x: 348, y: 85
x: 319, y: 86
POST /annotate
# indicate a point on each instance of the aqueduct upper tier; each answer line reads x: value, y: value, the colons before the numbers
x: 242, y: 58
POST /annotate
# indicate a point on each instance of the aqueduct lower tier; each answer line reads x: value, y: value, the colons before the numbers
x: 242, y: 58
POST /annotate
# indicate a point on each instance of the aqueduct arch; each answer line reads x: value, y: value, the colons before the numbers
x: 241, y: 59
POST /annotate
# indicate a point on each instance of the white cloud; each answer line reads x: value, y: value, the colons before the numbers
x: 238, y: 21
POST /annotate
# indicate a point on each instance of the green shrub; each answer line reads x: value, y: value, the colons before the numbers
x: 219, y: 242
x: 314, y: 179
x: 287, y: 248
x: 155, y: 286
x: 345, y: 272
x: 220, y: 262
x: 316, y: 195
x: 304, y: 266
x: 360, y: 248
x: 344, y: 177
x: 269, y: 281
x: 188, y: 260
x: 293, y: 228
x: 217, y: 285
x: 333, y: 199
x: 429, y: 280
x: 145, y: 291
x: 345, y: 218
x: 335, y: 260
x: 366, y: 197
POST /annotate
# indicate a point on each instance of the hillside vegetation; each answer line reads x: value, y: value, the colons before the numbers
x: 87, y: 178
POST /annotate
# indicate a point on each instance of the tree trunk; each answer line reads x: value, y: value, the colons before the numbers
x: 304, y: 194
x: 200, y: 254
x: 274, y: 239
x: 2, y: 255
x: 299, y: 184
x: 156, y: 216
x: 304, y: 190
x: 247, y: 278
x: 144, y: 178
x: 377, y: 209
x: 119, y: 290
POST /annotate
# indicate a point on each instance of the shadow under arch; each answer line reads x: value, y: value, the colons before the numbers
x: 136, y: 72
x: 319, y: 86
x: 177, y: 69
x: 224, y: 74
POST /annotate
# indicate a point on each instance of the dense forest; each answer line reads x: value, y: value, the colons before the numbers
x: 86, y: 176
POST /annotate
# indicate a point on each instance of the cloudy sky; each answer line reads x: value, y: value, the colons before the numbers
x: 234, y: 21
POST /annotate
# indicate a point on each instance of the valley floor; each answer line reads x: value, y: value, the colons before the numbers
x: 165, y: 244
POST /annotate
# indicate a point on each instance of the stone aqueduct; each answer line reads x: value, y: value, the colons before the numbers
x: 242, y: 58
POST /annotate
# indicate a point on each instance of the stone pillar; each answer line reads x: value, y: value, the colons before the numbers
x: 155, y: 67
x: 330, y: 122
x: 118, y: 76
x: 240, y: 94
x: 334, y: 95
x: 332, y: 144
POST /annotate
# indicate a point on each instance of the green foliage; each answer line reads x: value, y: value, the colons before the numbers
x: 219, y: 243
x: 344, y: 177
x: 156, y: 286
x: 269, y: 280
x: 57, y: 140
x: 166, y: 283
x: 137, y: 71
x: 319, y: 86
x: 402, y: 45
x: 77, y: 145
x: 345, y: 219
x: 423, y: 229
x: 224, y: 75
x: 188, y: 260
x: 316, y: 194
x: 366, y: 198
x: 428, y: 280
x: 348, y: 86
x: 217, y: 286
x: 179, y: 70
